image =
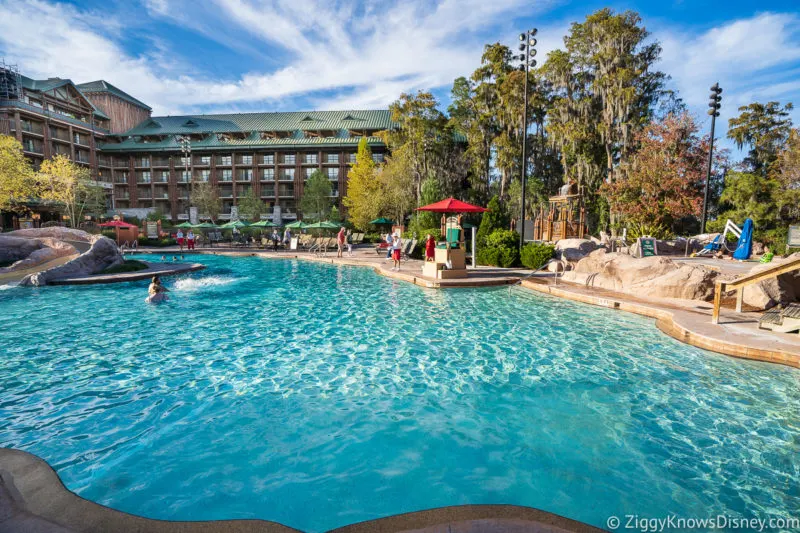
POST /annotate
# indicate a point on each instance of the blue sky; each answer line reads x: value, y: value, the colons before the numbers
x: 258, y: 55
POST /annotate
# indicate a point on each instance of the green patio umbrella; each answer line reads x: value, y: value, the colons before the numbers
x: 298, y: 224
x: 323, y: 225
x: 263, y: 224
x: 383, y: 221
x: 205, y: 225
x: 185, y: 225
x: 234, y: 224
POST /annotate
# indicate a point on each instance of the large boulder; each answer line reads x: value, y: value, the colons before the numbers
x: 658, y: 277
x: 55, y: 232
x: 16, y: 248
x: 103, y: 254
x: 570, y: 251
x: 782, y: 289
x: 50, y: 249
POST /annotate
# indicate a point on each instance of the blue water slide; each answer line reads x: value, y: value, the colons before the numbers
x: 745, y: 246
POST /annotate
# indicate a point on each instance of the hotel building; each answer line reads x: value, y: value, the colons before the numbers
x: 149, y: 163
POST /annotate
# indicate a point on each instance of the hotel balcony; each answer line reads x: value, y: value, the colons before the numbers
x: 34, y: 128
x: 161, y: 162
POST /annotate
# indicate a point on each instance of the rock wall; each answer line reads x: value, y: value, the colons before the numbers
x: 658, y: 277
x: 17, y: 248
x: 771, y: 292
x: 56, y: 232
x: 103, y: 254
x: 50, y: 249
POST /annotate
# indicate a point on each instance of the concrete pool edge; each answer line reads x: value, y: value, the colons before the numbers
x: 34, y: 499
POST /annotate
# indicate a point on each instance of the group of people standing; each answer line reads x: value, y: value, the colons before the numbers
x: 276, y: 238
x: 189, y: 239
x: 344, y: 238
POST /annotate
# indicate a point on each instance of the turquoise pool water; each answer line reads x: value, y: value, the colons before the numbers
x: 318, y: 396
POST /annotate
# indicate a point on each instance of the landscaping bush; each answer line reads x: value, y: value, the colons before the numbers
x: 491, y: 220
x: 500, y: 249
x: 130, y: 265
x: 535, y: 255
x: 111, y: 234
x: 372, y: 237
x: 166, y: 241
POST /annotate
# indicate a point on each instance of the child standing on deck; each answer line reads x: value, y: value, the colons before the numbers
x: 396, y: 242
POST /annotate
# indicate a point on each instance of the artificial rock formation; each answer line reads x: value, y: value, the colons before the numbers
x: 658, y: 277
x: 771, y: 292
x: 55, y: 232
x: 16, y: 248
x: 570, y: 251
x: 48, y: 250
x: 103, y: 254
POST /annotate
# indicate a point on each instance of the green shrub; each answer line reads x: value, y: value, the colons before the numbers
x: 111, y: 234
x: 130, y: 265
x: 166, y: 241
x: 500, y: 249
x: 535, y: 255
x: 372, y: 237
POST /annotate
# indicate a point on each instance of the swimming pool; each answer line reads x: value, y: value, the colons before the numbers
x: 317, y: 396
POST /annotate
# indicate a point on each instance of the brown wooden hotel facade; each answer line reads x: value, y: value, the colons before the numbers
x: 139, y: 158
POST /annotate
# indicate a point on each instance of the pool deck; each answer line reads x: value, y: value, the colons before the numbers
x: 689, y: 321
x: 154, y: 269
x: 34, y: 500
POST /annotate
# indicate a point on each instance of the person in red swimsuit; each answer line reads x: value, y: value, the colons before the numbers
x: 430, y: 247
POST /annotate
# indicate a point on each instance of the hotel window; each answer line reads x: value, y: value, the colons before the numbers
x: 246, y: 160
x: 333, y: 173
x: 268, y: 159
x: 309, y: 171
x: 224, y: 160
x: 245, y: 174
x: 186, y: 176
x: 310, y: 159
x: 227, y: 175
x: 378, y: 158
x: 163, y: 176
x: 143, y: 162
x: 205, y: 175
x: 120, y: 177
x: 144, y: 177
x: 288, y: 174
x: 268, y: 174
x: 205, y: 160
x: 332, y: 158
x: 288, y: 159
x: 351, y: 158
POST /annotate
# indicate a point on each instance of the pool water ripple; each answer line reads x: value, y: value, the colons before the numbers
x: 317, y: 395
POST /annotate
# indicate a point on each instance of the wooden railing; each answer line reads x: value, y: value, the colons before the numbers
x: 740, y: 283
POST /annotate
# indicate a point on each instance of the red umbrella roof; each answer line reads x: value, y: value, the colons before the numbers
x: 451, y: 205
x: 116, y: 224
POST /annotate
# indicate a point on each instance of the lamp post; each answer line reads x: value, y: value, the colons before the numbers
x: 526, y: 46
x: 714, y: 105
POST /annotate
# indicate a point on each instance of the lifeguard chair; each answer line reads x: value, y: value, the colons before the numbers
x: 564, y: 218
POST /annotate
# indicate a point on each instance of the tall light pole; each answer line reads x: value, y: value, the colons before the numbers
x: 526, y: 46
x: 714, y: 105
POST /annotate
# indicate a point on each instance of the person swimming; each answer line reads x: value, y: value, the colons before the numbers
x: 156, y: 292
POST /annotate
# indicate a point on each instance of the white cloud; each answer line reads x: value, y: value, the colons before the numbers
x: 359, y: 54
x: 752, y: 59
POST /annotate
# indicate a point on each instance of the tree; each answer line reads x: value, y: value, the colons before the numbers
x: 491, y: 220
x: 764, y: 128
x: 17, y: 179
x: 335, y: 216
x: 251, y: 207
x: 205, y: 197
x: 363, y: 190
x: 786, y: 173
x: 396, y: 179
x: 71, y: 187
x: 748, y: 195
x: 316, y: 200
x: 663, y: 180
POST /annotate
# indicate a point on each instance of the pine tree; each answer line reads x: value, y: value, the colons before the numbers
x: 316, y: 200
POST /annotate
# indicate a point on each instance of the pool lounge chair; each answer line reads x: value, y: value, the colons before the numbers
x: 713, y: 247
x: 409, y: 250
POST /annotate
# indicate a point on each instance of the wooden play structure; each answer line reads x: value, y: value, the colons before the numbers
x: 564, y: 218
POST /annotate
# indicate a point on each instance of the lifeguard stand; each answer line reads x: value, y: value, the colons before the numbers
x: 564, y: 218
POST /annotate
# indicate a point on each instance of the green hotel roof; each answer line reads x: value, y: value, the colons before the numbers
x: 52, y: 83
x: 159, y: 133
x: 102, y: 86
